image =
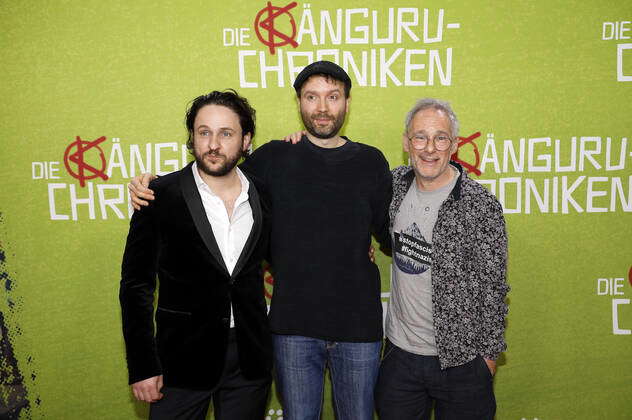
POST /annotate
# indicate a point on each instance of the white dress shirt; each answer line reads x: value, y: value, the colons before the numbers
x: 231, y: 233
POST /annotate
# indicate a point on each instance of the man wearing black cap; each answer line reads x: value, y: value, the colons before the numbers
x: 328, y: 195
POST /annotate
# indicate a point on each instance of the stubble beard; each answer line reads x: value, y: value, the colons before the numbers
x: 229, y: 163
x: 312, y: 129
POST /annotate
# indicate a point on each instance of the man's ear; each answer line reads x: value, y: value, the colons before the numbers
x: 246, y: 143
x: 454, y: 147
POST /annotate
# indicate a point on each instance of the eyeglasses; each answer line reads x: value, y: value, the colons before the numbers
x: 441, y: 142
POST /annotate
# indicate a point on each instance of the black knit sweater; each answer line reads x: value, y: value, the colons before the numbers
x: 325, y: 204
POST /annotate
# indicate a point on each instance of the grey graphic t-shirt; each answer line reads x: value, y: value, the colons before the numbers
x: 409, y: 323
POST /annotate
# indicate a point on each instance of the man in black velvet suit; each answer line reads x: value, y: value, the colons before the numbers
x: 328, y: 194
x: 204, y: 240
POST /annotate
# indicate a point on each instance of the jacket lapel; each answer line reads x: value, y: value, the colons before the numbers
x: 196, y: 208
x: 255, y: 232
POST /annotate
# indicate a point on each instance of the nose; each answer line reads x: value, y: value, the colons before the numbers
x: 322, y: 105
x: 213, y: 142
x: 430, y: 145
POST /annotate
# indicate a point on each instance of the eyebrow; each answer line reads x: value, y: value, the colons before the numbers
x: 328, y: 93
x: 220, y: 128
x: 424, y: 132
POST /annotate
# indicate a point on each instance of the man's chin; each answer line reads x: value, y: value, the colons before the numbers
x: 426, y: 174
x: 215, y: 172
x: 322, y: 134
x: 220, y: 169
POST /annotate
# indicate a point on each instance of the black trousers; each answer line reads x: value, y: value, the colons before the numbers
x: 234, y: 398
x: 409, y: 384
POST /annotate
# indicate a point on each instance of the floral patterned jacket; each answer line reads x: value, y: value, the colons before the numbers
x: 468, y: 272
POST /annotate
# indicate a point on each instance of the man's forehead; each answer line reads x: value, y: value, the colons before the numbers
x: 319, y: 79
x: 216, y: 117
x: 430, y: 118
x: 216, y: 113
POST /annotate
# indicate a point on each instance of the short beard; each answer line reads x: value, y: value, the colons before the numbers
x: 338, y: 122
x: 229, y: 163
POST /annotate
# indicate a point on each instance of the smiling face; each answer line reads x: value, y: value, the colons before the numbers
x: 431, y: 166
x: 323, y: 106
x: 218, y: 142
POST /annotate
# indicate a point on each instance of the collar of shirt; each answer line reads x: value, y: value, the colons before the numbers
x: 230, y: 234
x: 245, y: 185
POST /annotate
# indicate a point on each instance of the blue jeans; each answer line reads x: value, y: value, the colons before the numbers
x: 300, y: 369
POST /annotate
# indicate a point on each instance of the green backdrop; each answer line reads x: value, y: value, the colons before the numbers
x: 543, y: 90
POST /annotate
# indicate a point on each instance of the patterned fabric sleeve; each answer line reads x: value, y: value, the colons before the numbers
x: 492, y: 266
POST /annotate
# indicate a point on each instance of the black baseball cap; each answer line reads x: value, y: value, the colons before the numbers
x: 323, y: 67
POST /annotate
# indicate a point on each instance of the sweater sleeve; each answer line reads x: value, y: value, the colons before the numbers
x: 380, y: 203
x: 258, y: 162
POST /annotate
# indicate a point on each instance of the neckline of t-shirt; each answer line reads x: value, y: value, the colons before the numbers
x: 441, y: 190
x: 314, y: 146
x: 333, y: 155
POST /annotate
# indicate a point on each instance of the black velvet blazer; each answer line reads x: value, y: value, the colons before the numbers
x: 172, y: 238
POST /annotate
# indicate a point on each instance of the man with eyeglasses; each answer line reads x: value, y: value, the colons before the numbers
x: 445, y: 320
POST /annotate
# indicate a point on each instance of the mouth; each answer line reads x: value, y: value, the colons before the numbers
x: 213, y: 157
x: 322, y: 120
x: 428, y: 159
x: 428, y: 162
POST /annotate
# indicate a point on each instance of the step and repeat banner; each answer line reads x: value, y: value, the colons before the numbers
x: 94, y: 93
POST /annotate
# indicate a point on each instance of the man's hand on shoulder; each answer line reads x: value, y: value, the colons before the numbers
x: 294, y: 137
x: 148, y: 390
x: 139, y: 191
